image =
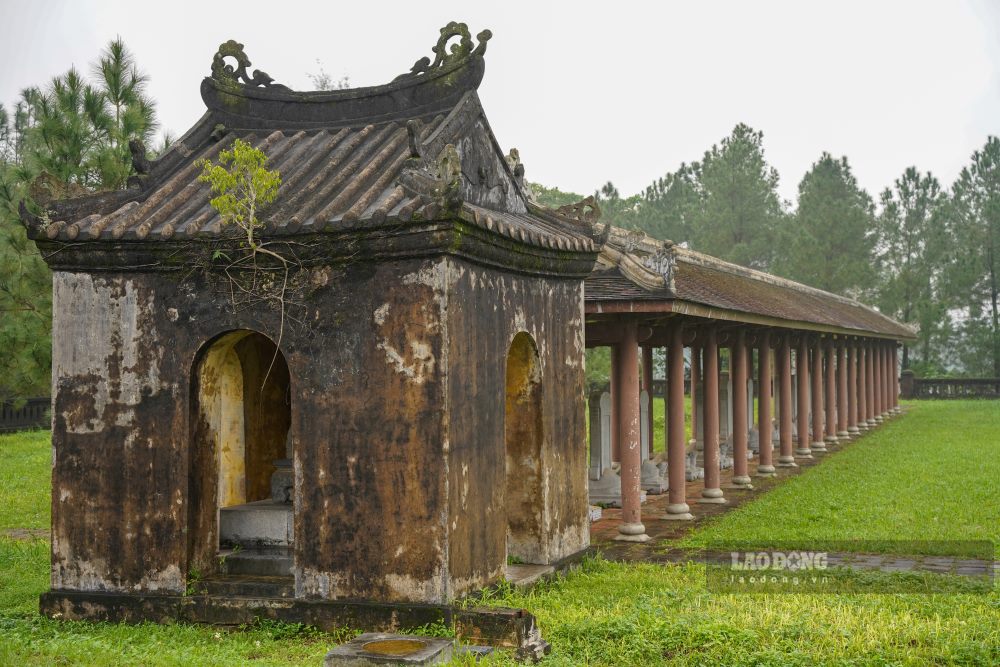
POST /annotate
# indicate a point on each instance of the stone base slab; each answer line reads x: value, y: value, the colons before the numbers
x: 502, y: 627
x: 365, y: 650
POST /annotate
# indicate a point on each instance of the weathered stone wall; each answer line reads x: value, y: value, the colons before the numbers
x: 397, y: 423
x: 370, y: 497
x: 486, y: 309
x: 119, y: 482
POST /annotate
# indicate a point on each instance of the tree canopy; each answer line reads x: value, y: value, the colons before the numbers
x: 829, y: 241
x: 67, y: 138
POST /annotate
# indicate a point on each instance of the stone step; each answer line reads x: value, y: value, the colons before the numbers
x: 274, y: 562
x: 258, y: 586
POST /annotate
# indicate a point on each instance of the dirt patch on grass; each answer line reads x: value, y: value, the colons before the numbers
x: 25, y: 533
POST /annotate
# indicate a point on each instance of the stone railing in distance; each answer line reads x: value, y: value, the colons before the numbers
x: 33, y: 414
x: 914, y: 387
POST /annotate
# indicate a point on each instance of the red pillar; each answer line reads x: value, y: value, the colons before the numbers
x: 895, y: 378
x: 818, y: 444
x: 647, y: 384
x: 887, y: 381
x: 842, y: 407
x: 830, y: 393
x: 862, y: 386
x: 616, y: 392
x: 877, y: 382
x: 741, y: 422
x: 765, y: 467
x: 786, y: 453
x: 869, y: 386
x: 631, y: 528
x: 802, y: 381
x: 712, y: 493
x: 677, y: 507
x: 695, y: 382
x: 852, y: 388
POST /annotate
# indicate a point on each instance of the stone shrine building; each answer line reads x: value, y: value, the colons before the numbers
x: 394, y: 425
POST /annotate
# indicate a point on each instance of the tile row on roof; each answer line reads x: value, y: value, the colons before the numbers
x: 646, y: 273
x: 416, y: 149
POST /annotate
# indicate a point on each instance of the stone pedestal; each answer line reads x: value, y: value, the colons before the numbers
x: 283, y: 481
x: 651, y: 478
x: 377, y: 648
x: 692, y: 470
x: 607, y: 490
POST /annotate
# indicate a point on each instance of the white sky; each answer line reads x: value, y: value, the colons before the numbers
x: 590, y: 92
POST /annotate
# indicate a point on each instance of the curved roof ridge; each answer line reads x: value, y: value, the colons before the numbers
x: 240, y: 99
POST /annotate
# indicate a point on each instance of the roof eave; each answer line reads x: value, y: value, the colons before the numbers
x: 692, y: 309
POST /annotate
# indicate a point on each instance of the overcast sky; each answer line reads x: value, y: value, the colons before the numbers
x: 591, y: 92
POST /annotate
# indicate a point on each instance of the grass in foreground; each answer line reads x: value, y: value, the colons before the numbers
x: 617, y: 614
x: 931, y: 475
x: 25, y: 479
x: 602, y: 614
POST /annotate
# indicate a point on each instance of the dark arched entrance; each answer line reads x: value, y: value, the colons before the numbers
x: 241, y: 415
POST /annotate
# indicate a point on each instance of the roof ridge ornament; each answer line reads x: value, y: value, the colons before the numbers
x: 227, y: 75
x: 586, y: 210
x: 584, y: 213
x: 663, y: 262
x: 435, y: 180
x: 445, y: 58
x: 513, y: 159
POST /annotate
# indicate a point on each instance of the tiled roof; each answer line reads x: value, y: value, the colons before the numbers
x: 346, y: 158
x: 632, y: 262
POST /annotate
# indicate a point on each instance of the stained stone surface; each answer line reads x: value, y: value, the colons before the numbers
x: 378, y: 648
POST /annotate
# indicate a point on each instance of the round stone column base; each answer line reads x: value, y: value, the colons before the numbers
x: 632, y: 532
x: 712, y: 496
x: 853, y: 430
x: 831, y: 440
x: 817, y: 446
x: 843, y: 435
x: 787, y: 462
x: 678, y: 512
x: 766, y: 471
x: 741, y: 482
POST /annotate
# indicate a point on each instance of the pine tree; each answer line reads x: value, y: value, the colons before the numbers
x: 829, y: 241
x: 64, y: 140
x: 669, y: 208
x: 912, y: 244
x: 974, y: 276
x: 740, y: 210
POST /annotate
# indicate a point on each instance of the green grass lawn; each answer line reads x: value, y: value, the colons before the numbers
x: 617, y: 614
x: 933, y: 474
x: 940, y: 460
x: 25, y: 480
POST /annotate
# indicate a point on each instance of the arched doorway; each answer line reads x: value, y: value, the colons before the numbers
x: 523, y: 435
x: 241, y: 414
